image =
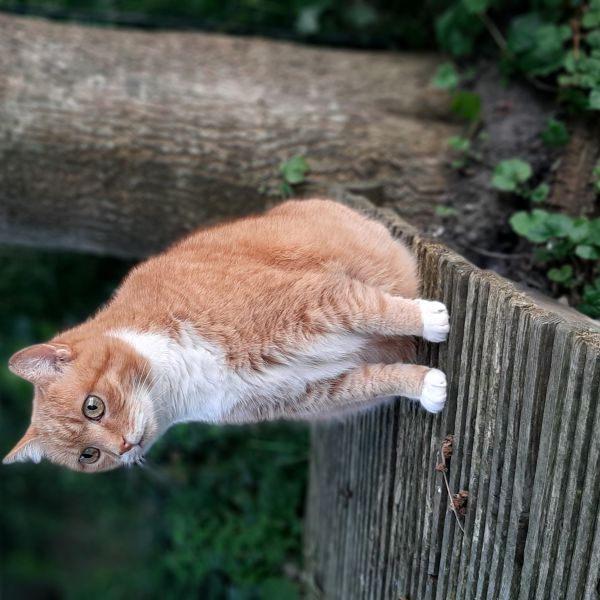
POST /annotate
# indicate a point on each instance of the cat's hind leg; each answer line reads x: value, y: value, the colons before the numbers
x: 363, y: 385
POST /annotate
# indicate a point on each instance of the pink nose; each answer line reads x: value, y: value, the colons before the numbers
x: 125, y: 446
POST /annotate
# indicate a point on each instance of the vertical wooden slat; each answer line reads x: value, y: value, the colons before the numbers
x: 584, y: 573
x: 524, y: 407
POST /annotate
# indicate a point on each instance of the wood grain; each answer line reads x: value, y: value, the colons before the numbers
x: 524, y: 408
x: 118, y: 141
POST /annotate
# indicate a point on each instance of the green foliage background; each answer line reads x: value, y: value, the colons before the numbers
x: 216, y: 515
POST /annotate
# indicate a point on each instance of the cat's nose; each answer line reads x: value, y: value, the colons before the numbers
x: 125, y: 446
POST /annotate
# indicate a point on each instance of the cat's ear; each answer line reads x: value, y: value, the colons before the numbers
x: 40, y: 363
x: 27, y: 449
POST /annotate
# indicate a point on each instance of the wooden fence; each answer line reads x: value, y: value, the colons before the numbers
x: 524, y: 410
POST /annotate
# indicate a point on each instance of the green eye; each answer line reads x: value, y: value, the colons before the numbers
x: 93, y: 407
x: 89, y: 456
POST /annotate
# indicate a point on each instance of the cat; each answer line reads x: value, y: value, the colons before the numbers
x: 305, y: 312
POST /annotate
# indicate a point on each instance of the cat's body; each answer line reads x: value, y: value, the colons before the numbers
x: 305, y: 312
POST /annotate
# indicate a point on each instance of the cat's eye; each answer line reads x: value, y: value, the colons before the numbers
x: 89, y: 455
x: 93, y: 407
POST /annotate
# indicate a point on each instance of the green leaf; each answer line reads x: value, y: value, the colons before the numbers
x: 361, y: 15
x: 540, y: 226
x: 591, y: 300
x: 559, y: 225
x: 445, y: 211
x: 476, y: 6
x: 593, y: 236
x: 594, y: 99
x: 446, y: 77
x: 537, y: 45
x: 457, y: 30
x: 593, y: 38
x: 563, y: 274
x: 540, y: 193
x: 308, y: 21
x: 560, y: 247
x: 510, y: 174
x: 286, y: 191
x: 526, y: 224
x: 466, y: 105
x: 459, y: 143
x: 587, y: 252
x: 278, y: 588
x: 555, y: 133
x: 294, y: 170
x: 591, y: 18
x: 580, y: 230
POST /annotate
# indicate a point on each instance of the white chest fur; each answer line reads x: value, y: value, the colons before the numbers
x: 193, y: 382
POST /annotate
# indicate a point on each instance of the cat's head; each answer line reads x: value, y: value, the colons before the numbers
x: 91, y: 405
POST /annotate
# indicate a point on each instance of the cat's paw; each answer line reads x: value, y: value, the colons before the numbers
x: 435, y: 320
x: 433, y: 395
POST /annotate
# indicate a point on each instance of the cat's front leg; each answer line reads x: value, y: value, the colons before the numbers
x: 368, y: 310
x: 362, y: 385
x: 434, y: 319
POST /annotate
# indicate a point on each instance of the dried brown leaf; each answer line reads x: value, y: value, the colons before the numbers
x: 447, y: 446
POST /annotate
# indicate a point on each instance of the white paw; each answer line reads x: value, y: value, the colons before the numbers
x: 433, y: 395
x: 435, y: 321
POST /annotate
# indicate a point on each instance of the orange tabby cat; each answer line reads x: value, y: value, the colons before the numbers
x: 305, y: 312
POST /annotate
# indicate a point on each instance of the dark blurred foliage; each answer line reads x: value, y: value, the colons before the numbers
x: 216, y: 515
x: 376, y: 23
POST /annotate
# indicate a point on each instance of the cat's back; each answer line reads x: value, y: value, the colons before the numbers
x: 275, y: 260
x: 308, y: 235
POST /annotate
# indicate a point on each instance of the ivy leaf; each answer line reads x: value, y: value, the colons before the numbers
x: 593, y: 38
x: 593, y: 236
x: 530, y: 225
x: 596, y: 176
x: 555, y: 133
x: 580, y: 230
x: 540, y: 193
x: 457, y: 29
x: 308, y: 21
x: 540, y: 226
x: 594, y: 99
x: 466, y: 105
x: 445, y: 211
x: 587, y: 252
x: 562, y: 275
x: 294, y: 170
x: 537, y: 45
x: 558, y: 225
x: 361, y: 15
x: 446, y: 77
x: 476, y: 6
x: 510, y: 174
x: 591, y: 300
x: 459, y: 143
x: 591, y: 18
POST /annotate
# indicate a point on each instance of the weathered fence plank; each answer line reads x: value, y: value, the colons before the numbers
x: 524, y: 409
